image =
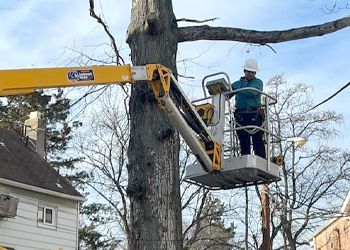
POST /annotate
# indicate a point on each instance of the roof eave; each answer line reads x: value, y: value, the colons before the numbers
x: 346, y: 204
x: 41, y: 190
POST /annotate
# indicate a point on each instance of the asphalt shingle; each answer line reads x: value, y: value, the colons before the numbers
x: 21, y: 164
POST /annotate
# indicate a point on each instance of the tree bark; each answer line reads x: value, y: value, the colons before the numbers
x: 205, y: 32
x: 154, y: 184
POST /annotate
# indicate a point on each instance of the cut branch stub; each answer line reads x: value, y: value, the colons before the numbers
x: 153, y: 24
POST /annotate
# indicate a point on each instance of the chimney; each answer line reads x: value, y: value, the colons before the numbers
x: 35, y: 131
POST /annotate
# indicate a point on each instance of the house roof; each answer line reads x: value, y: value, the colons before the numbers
x: 344, y: 211
x: 323, y: 227
x: 345, y: 208
x: 20, y: 164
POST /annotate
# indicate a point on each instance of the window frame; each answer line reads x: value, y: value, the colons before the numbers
x: 42, y: 219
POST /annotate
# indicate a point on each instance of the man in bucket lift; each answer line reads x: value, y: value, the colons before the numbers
x: 248, y: 109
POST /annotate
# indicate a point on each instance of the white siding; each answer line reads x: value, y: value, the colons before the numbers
x: 23, y: 233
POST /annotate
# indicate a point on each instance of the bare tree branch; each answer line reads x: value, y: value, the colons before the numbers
x: 120, y: 60
x: 205, y: 32
x: 196, y: 21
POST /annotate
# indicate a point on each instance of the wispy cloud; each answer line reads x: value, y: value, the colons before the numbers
x: 34, y: 33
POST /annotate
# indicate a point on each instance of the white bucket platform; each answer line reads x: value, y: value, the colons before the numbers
x: 236, y: 172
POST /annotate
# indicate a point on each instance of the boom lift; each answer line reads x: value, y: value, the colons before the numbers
x: 202, y: 127
x: 237, y: 171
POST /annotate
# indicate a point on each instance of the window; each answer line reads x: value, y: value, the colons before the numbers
x: 47, y: 216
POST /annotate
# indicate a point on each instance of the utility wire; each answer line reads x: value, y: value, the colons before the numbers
x: 326, y: 100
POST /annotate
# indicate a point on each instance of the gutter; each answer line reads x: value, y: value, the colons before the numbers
x: 41, y: 190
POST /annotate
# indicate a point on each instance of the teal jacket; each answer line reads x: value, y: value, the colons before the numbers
x: 248, y: 98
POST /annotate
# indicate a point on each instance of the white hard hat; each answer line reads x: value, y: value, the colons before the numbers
x: 251, y: 65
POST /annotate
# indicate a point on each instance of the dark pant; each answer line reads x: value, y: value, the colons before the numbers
x: 246, y: 119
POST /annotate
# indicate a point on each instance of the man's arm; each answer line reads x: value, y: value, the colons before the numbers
x: 258, y: 84
x: 234, y: 86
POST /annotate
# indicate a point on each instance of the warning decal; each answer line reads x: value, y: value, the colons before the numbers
x: 81, y: 75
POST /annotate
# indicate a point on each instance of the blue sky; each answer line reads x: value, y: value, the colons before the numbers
x: 37, y: 33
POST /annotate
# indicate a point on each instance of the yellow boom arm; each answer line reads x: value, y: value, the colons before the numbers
x: 161, y: 80
x: 19, y: 81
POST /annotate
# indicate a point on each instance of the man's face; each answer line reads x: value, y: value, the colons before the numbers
x: 249, y: 75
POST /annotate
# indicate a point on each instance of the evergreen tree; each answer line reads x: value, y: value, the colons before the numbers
x: 91, y: 235
x: 55, y: 110
x: 210, y: 231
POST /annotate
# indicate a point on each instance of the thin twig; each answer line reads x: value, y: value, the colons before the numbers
x: 270, y: 47
x: 187, y: 77
x: 196, y: 21
x: 120, y: 60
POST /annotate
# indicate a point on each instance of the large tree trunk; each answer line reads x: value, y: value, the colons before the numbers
x: 154, y: 186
